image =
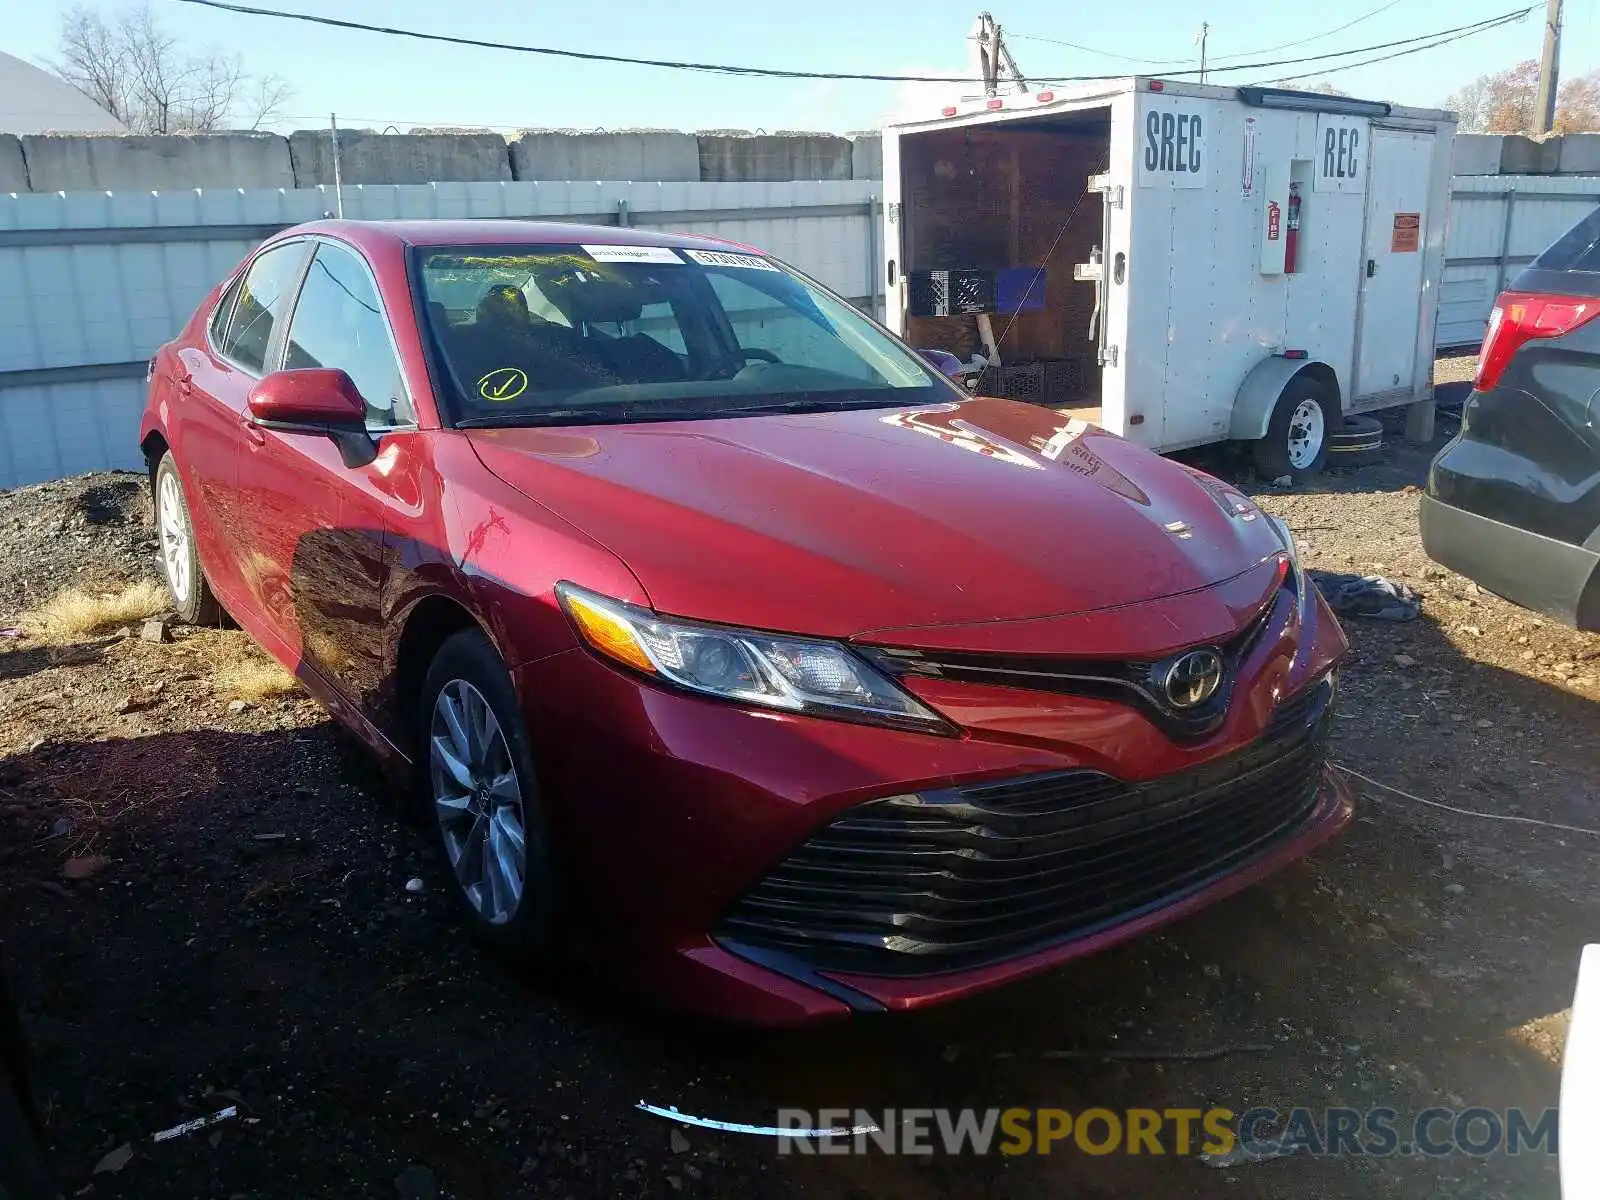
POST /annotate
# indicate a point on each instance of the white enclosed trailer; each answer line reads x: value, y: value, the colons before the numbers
x: 1196, y: 263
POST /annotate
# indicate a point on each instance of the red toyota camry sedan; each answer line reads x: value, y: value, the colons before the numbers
x: 721, y: 635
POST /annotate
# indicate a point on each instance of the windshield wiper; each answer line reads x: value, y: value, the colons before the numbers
x: 550, y: 416
x: 811, y: 405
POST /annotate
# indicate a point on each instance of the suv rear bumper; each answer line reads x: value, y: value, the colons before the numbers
x: 1527, y: 568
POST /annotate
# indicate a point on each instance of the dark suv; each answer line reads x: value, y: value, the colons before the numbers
x: 1514, y: 500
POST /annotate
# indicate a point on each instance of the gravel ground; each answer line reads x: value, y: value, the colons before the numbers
x: 248, y: 934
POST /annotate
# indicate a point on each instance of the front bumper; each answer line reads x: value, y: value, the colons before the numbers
x: 669, y: 811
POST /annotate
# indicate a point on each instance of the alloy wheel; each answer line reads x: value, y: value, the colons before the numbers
x: 477, y: 801
x: 174, y: 524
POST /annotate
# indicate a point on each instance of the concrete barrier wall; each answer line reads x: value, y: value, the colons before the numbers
x: 77, y: 163
x: 399, y: 157
x: 634, y: 154
x: 119, y: 162
x: 734, y: 156
x: 112, y: 162
x: 13, y: 167
x: 1518, y: 154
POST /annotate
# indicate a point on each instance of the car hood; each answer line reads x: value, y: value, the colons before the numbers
x: 839, y: 524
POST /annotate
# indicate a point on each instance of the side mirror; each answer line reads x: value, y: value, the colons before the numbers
x: 315, y: 400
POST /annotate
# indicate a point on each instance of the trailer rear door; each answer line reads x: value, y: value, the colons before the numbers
x: 1392, y: 260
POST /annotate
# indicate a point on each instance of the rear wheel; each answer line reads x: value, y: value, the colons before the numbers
x: 1296, y: 443
x: 180, y: 556
x: 482, y: 793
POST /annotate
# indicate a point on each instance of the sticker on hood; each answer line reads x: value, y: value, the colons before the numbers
x: 634, y: 254
x: 721, y: 258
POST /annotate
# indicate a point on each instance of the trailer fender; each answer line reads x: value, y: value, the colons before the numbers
x: 1258, y: 394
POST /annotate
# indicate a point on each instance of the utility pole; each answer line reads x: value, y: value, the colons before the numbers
x: 1544, y: 109
x: 993, y: 57
x: 1205, y: 32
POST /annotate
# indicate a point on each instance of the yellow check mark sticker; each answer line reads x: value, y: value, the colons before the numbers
x: 503, y: 385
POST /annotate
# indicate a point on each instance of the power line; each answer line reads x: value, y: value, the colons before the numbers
x: 780, y: 73
x: 1164, y: 62
x: 1460, y: 31
x: 1443, y: 41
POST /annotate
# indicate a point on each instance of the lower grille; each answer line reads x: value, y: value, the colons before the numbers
x: 954, y: 879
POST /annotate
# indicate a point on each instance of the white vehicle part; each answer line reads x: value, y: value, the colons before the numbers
x: 1258, y: 394
x: 1580, y: 1084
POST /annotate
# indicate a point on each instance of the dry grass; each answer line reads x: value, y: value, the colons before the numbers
x: 255, y: 681
x: 239, y: 670
x: 75, y: 613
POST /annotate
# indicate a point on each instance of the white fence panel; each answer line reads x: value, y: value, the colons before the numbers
x: 1498, y: 224
x: 91, y: 283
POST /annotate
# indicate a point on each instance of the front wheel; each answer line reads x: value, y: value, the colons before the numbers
x: 1296, y: 443
x: 479, y: 783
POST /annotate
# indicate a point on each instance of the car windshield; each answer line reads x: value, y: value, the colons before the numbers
x: 572, y: 334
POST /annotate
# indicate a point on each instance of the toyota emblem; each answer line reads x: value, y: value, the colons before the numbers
x: 1193, y: 679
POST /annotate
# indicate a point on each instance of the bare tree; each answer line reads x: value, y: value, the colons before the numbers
x: 143, y: 75
x: 1327, y: 89
x: 1503, y: 102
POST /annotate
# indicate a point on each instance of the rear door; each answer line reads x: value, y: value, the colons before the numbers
x: 212, y: 380
x: 1398, y: 167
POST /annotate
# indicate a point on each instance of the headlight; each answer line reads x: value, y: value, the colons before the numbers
x: 799, y: 675
x: 1297, y: 576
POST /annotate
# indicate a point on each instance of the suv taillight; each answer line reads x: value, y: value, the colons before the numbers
x: 1519, y: 318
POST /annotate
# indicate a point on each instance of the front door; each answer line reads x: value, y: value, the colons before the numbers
x: 314, y: 541
x: 1391, y: 282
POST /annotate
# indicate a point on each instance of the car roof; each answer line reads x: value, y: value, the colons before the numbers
x: 502, y: 233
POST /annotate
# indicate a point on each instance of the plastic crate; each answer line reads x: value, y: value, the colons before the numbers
x: 1048, y: 381
x: 950, y: 293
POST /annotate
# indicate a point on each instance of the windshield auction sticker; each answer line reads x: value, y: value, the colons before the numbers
x: 634, y: 254
x: 503, y: 385
x: 720, y: 258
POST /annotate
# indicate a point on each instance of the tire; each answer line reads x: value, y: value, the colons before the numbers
x: 473, y: 811
x: 180, y: 556
x: 1307, y: 411
x: 1358, y: 444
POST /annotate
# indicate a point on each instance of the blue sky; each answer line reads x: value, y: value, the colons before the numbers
x: 371, y: 80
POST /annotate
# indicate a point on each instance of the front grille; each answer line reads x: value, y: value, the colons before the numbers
x: 1127, y: 681
x: 958, y: 878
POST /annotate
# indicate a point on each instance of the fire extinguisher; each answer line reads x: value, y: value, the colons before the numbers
x: 1291, y: 242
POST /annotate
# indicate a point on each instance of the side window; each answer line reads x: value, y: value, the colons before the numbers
x: 219, y: 317
x: 1576, y: 250
x: 762, y: 323
x: 262, y: 297
x: 339, y: 323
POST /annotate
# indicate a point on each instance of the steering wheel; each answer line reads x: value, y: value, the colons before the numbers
x: 758, y: 353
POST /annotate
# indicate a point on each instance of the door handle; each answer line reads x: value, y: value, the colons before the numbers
x: 184, y: 384
x: 1372, y: 267
x: 251, y: 431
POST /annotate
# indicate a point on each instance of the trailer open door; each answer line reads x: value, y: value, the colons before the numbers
x: 892, y: 260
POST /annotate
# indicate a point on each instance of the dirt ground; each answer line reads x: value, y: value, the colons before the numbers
x: 246, y: 935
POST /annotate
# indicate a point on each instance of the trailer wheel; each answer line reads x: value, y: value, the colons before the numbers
x: 1296, y: 443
